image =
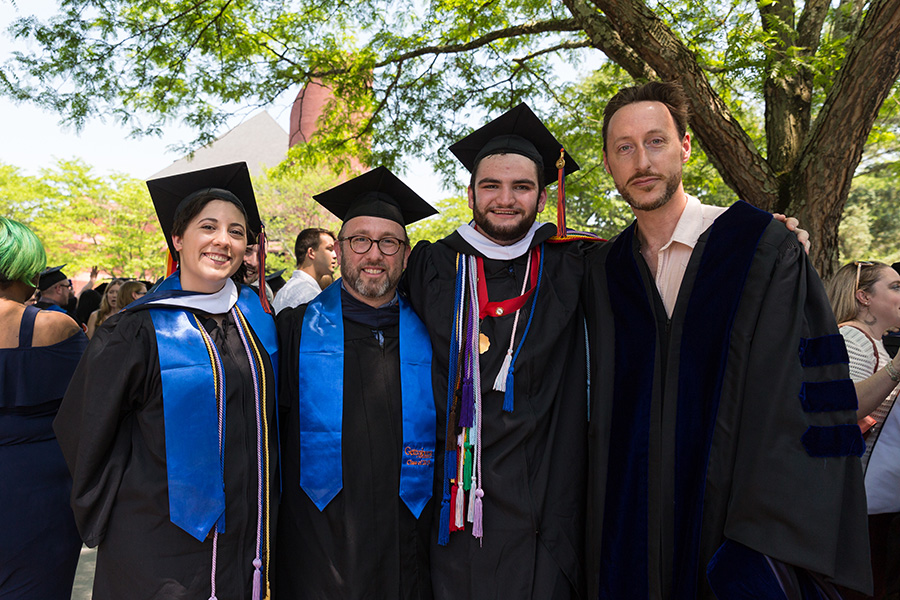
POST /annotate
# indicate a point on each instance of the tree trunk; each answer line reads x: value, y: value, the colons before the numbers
x: 833, y: 150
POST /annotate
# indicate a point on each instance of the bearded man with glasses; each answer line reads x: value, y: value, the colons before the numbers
x: 357, y: 413
x: 56, y: 290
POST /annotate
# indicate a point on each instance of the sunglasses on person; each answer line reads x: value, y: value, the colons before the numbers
x: 859, y: 265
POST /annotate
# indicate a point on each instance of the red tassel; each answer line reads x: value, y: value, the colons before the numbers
x: 261, y: 255
x: 171, y: 264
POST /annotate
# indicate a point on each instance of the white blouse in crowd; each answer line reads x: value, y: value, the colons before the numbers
x: 881, y: 460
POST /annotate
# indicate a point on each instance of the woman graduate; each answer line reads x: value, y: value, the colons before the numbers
x: 168, y: 426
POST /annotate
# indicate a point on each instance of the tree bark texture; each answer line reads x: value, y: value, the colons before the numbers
x: 834, y: 147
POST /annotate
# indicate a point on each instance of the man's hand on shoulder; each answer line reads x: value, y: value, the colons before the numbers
x: 793, y: 224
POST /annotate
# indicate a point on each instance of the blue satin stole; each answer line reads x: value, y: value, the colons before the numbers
x: 57, y: 308
x: 193, y: 462
x: 321, y: 403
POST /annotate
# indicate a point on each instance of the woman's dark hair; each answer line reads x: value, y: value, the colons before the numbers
x: 191, y: 206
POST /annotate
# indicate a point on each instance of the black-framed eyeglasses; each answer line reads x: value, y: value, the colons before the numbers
x: 859, y: 265
x: 361, y: 244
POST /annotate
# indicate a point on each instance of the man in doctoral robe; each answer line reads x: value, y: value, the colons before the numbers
x: 724, y: 447
x: 501, y: 303
x: 357, y: 413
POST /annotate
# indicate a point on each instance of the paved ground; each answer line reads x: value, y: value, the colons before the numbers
x: 84, y: 575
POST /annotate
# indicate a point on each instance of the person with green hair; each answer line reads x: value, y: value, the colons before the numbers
x: 40, y: 545
x: 22, y: 256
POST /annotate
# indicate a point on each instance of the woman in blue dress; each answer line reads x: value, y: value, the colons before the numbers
x: 39, y: 349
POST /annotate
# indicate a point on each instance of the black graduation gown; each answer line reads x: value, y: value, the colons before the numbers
x: 534, y: 458
x: 365, y: 544
x: 697, y: 429
x: 112, y: 433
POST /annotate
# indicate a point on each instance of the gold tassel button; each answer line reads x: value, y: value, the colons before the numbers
x: 561, y: 161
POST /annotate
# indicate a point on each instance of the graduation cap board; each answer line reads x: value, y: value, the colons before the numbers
x: 50, y: 277
x: 169, y: 194
x: 276, y: 281
x: 517, y: 131
x: 275, y: 275
x: 520, y: 131
x: 378, y: 193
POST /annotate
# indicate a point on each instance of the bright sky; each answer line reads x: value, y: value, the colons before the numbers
x: 33, y: 139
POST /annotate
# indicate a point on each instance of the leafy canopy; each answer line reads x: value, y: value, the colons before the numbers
x: 785, y: 94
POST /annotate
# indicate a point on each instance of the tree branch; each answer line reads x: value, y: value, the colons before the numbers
x: 809, y: 25
x: 562, y: 46
x: 553, y: 25
x: 865, y: 79
x: 606, y: 39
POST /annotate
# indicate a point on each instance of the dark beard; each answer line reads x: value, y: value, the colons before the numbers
x: 512, y: 233
x: 672, y: 184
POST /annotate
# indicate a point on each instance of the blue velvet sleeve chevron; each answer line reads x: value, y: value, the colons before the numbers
x: 826, y: 396
x: 824, y: 350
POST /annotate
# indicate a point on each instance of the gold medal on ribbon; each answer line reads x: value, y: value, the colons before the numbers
x: 483, y: 343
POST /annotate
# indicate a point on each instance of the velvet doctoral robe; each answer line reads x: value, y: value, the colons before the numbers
x: 533, y: 458
x: 733, y: 420
x: 112, y: 433
x: 365, y: 544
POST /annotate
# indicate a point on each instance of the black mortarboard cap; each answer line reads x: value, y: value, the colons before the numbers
x: 518, y: 131
x: 272, y: 276
x: 168, y: 194
x: 378, y: 193
x: 275, y: 280
x: 51, y: 276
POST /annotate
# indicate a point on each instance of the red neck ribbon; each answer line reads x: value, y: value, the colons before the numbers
x: 505, y: 307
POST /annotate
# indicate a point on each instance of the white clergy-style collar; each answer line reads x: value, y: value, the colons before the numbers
x: 216, y: 303
x: 493, y: 250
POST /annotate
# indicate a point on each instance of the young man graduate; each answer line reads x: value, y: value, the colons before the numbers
x: 724, y: 447
x: 357, y: 413
x: 502, y: 307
